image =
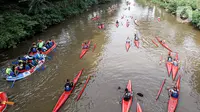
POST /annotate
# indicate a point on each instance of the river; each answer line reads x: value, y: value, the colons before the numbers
x: 110, y: 65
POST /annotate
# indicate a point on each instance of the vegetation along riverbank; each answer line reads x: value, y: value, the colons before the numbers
x: 187, y: 9
x: 21, y: 19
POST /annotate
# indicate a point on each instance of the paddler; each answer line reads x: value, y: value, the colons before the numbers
x: 136, y: 37
x: 127, y: 95
x: 117, y: 22
x: 85, y: 46
x: 174, y: 92
x: 169, y: 59
x: 128, y: 40
x: 175, y: 63
x: 68, y: 85
x: 162, y: 41
x: 33, y: 48
x: 40, y: 44
x: 10, y: 72
x: 49, y: 44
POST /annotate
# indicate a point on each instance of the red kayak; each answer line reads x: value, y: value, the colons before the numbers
x: 154, y: 43
x: 169, y: 67
x: 127, y: 104
x: 164, y: 45
x: 50, y: 49
x: 66, y: 94
x: 174, y: 69
x: 83, y: 52
x: 173, y: 102
x: 81, y: 92
x: 3, y: 98
x: 139, y: 109
x: 127, y: 46
x: 136, y: 42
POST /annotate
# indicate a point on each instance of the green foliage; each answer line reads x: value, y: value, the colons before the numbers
x: 27, y: 17
x: 172, y: 6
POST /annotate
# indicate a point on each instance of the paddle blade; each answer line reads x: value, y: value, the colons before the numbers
x: 8, y: 103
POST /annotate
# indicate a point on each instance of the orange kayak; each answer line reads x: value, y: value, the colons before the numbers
x: 164, y: 45
x: 66, y: 94
x: 127, y: 46
x: 173, y: 102
x: 117, y: 25
x: 169, y: 67
x: 127, y: 104
x: 139, y: 109
x: 136, y: 42
x: 83, y: 52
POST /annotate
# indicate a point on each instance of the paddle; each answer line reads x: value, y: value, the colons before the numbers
x: 139, y: 94
x: 94, y: 47
x: 161, y: 58
x: 7, y: 102
x: 13, y: 84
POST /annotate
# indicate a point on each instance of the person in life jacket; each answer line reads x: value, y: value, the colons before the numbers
x: 128, y: 40
x: 68, y: 85
x: 174, y: 92
x: 40, y: 45
x: 175, y: 63
x: 85, y: 46
x: 49, y: 44
x: 39, y: 56
x: 136, y: 37
x: 127, y: 95
x: 33, y: 48
x: 169, y: 59
x: 10, y: 72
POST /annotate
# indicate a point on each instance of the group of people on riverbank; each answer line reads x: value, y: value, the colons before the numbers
x: 29, y: 60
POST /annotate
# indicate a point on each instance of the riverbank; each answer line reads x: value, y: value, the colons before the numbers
x: 21, y: 20
x: 187, y: 10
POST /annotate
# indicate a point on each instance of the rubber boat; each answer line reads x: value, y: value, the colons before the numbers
x: 65, y: 95
x: 139, y: 109
x: 174, y: 69
x: 127, y: 46
x: 50, y: 49
x: 127, y: 104
x: 136, y: 42
x: 83, y: 52
x: 3, y: 98
x: 26, y: 73
x: 164, y: 45
x: 173, y: 102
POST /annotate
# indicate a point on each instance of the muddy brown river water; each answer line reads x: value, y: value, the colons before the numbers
x: 110, y: 64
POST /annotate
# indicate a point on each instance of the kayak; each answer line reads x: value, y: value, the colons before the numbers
x: 50, y: 49
x: 173, y: 102
x: 136, y: 42
x: 154, y: 42
x: 127, y: 46
x: 127, y: 104
x: 117, y: 25
x: 139, y: 109
x: 26, y: 73
x: 65, y: 95
x: 169, y: 67
x: 81, y: 92
x: 83, y: 52
x: 160, y: 90
x: 3, y: 98
x: 164, y: 45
